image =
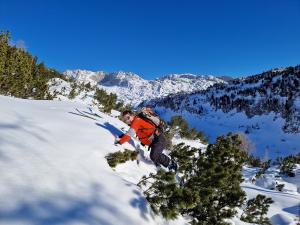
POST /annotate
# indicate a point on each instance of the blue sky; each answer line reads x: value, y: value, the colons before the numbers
x: 157, y: 37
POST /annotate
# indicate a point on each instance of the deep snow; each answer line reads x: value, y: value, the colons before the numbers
x: 53, y: 170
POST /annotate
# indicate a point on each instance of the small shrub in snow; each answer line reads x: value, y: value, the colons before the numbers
x: 259, y: 174
x: 113, y: 159
x: 256, y: 210
x: 180, y: 125
x: 107, y: 102
x: 253, y: 161
x: 288, y: 165
x: 264, y: 167
x: 73, y: 93
x: 279, y: 187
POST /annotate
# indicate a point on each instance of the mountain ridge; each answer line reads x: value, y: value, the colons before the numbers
x: 263, y: 105
x: 133, y: 89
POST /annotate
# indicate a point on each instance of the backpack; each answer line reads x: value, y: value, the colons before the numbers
x: 149, y: 116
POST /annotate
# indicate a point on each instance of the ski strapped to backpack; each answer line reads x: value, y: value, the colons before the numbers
x: 148, y: 115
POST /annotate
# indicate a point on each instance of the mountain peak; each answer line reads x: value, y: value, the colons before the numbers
x: 133, y: 89
x: 121, y: 78
x: 85, y: 76
x: 179, y: 76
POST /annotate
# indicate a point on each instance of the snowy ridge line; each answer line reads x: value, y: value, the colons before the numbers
x: 132, y: 89
x: 265, y: 107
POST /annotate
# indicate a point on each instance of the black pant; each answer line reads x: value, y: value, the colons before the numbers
x: 157, y: 146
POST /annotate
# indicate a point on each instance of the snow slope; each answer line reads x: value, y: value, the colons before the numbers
x: 53, y: 170
x: 286, y: 203
x: 264, y: 132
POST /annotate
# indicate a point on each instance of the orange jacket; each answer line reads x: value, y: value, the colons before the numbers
x: 142, y: 129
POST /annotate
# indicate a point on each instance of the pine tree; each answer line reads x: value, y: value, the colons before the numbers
x: 256, y: 209
x: 178, y: 121
x: 107, y: 102
x: 210, y: 187
x: 20, y: 74
x: 219, y: 176
x: 185, y: 156
x: 73, y: 91
x: 288, y: 165
x: 253, y: 161
x: 22, y: 78
x: 180, y: 125
x: 4, y: 38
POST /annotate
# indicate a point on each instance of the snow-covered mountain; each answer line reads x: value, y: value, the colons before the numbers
x: 85, y: 76
x: 53, y: 171
x: 132, y: 89
x: 266, y: 107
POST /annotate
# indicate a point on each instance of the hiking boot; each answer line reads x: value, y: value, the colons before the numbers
x: 173, y: 166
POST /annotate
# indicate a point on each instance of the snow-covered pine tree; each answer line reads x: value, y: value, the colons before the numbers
x: 211, y: 188
x: 218, y: 176
x: 256, y: 210
x: 185, y: 156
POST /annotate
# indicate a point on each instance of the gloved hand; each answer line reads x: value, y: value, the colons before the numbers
x: 117, y: 141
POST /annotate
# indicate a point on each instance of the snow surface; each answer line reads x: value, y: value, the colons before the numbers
x: 286, y: 204
x: 61, y: 89
x: 53, y: 170
x: 269, y: 140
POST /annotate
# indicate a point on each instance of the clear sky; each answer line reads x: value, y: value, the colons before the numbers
x: 157, y: 37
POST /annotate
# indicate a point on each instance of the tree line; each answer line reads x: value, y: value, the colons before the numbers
x: 21, y: 75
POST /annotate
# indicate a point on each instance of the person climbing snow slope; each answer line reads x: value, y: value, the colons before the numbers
x: 149, y: 135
